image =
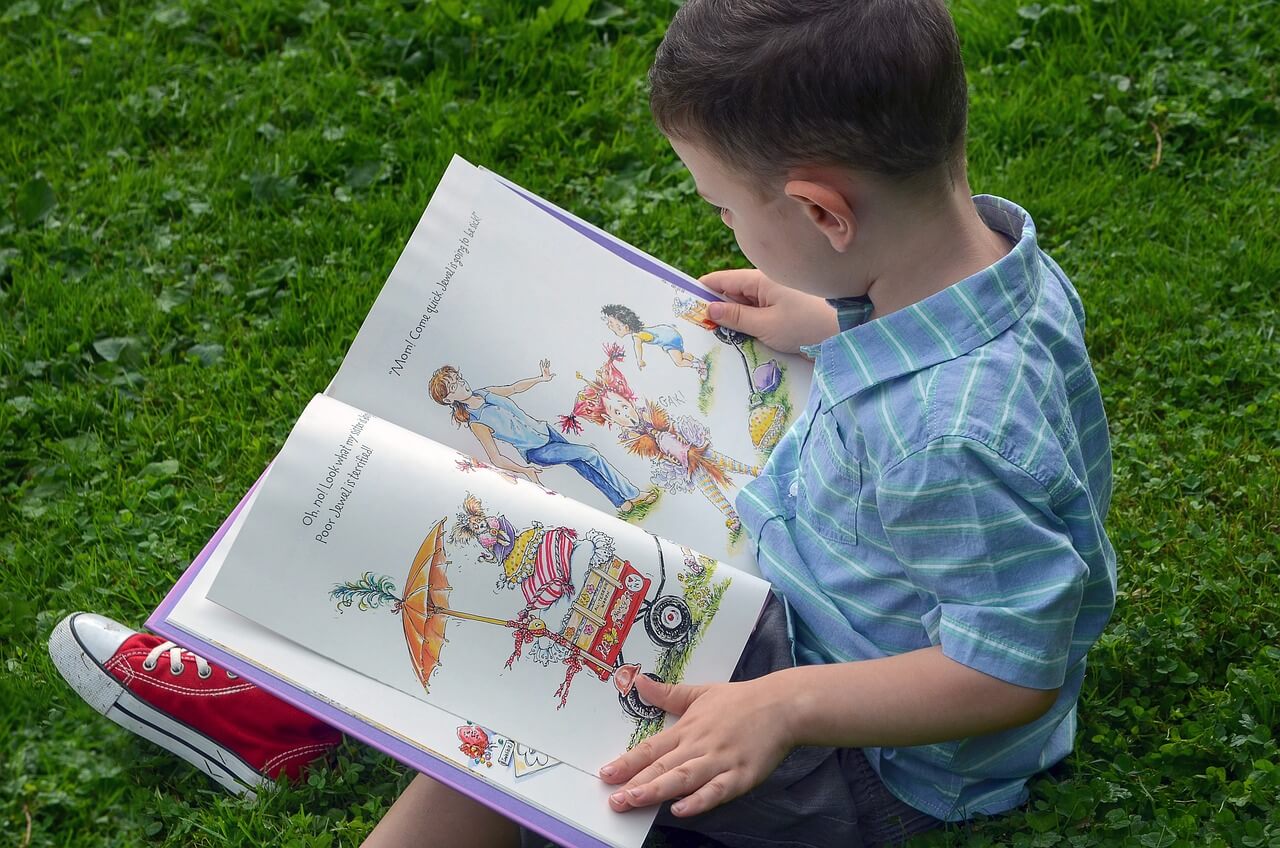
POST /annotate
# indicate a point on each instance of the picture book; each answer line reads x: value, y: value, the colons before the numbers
x: 514, y: 498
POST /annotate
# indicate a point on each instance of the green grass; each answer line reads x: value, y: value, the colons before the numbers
x: 199, y: 201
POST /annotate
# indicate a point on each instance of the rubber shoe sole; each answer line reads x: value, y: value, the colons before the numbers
x: 104, y: 693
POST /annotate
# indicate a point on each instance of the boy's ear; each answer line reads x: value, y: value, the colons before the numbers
x: 828, y: 209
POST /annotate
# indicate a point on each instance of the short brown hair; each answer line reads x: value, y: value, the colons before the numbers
x: 767, y: 85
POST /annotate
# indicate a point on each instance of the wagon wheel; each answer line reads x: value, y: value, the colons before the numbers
x: 637, y: 707
x: 668, y: 621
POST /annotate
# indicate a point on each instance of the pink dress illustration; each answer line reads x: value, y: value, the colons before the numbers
x: 679, y: 449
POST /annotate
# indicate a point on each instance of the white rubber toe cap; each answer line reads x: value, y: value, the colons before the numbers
x: 79, y: 646
x: 99, y: 635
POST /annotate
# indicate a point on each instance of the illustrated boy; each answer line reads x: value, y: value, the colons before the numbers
x: 622, y: 321
x: 934, y: 518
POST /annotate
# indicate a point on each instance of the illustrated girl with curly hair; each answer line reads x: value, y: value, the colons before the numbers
x: 679, y: 448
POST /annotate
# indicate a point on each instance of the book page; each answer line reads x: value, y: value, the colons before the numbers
x: 515, y: 334
x: 477, y: 590
x: 568, y: 793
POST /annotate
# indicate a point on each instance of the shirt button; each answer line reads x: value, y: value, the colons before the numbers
x: 794, y: 490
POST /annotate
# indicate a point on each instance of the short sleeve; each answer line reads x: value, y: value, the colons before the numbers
x: 977, y: 535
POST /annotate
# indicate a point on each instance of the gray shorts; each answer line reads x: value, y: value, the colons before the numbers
x: 816, y: 798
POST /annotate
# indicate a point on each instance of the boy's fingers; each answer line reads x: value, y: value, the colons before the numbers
x: 662, y: 782
x: 720, y: 281
x: 740, y: 284
x: 639, y: 757
x: 735, y: 316
x: 713, y: 793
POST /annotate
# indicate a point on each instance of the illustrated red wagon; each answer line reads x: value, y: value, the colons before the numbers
x: 614, y: 595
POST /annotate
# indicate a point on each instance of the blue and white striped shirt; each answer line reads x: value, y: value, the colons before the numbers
x: 947, y: 485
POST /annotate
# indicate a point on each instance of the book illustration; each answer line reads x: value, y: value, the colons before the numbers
x: 476, y: 744
x: 494, y: 533
x: 492, y: 416
x: 538, y: 560
x: 483, y: 747
x: 614, y: 596
x: 679, y: 448
x: 624, y: 322
x: 467, y: 464
x: 528, y: 761
x: 768, y: 405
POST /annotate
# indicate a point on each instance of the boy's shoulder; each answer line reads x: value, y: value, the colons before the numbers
x: 997, y: 360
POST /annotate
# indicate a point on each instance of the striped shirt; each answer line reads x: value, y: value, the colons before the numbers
x: 947, y: 485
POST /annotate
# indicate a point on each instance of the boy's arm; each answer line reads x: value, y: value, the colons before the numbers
x: 732, y: 735
x: 780, y: 317
x: 969, y: 528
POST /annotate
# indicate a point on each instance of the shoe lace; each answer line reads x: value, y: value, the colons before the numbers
x: 176, y: 666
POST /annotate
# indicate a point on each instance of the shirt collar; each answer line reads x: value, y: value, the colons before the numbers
x: 943, y: 326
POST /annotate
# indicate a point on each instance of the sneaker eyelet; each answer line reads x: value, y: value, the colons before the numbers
x: 181, y: 668
x: 148, y: 666
x: 205, y: 673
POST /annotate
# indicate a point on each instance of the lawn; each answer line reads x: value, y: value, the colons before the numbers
x: 199, y: 200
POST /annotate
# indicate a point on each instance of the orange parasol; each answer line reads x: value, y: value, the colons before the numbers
x: 424, y: 609
x: 426, y: 593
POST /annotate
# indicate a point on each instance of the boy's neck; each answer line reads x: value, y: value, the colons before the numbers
x: 933, y: 246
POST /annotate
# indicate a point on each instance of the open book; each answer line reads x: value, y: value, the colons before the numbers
x: 515, y: 496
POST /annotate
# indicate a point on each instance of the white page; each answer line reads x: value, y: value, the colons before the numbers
x: 351, y: 499
x: 493, y: 285
x: 564, y: 791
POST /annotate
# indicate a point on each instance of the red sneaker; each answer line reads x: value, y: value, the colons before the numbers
x: 238, y: 734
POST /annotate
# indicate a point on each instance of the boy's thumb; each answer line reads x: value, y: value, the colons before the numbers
x: 735, y: 316
x: 675, y: 698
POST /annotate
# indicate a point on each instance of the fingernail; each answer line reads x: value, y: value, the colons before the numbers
x: 677, y: 807
x: 635, y: 795
x: 715, y: 310
x: 608, y: 771
x: 618, y: 798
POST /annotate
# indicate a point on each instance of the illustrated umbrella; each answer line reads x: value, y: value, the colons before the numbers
x: 424, y: 608
x: 426, y: 593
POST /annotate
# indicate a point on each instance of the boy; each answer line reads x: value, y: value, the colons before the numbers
x: 934, y: 518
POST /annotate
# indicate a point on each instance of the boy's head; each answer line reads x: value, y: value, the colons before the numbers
x: 775, y: 95
x: 767, y: 85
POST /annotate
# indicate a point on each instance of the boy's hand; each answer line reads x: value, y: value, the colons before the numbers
x: 731, y: 737
x: 782, y: 318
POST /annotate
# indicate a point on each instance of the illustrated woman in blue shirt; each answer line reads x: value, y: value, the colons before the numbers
x: 493, y: 417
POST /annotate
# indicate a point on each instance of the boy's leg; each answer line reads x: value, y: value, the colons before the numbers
x: 818, y: 797
x: 428, y: 814
x: 241, y: 736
